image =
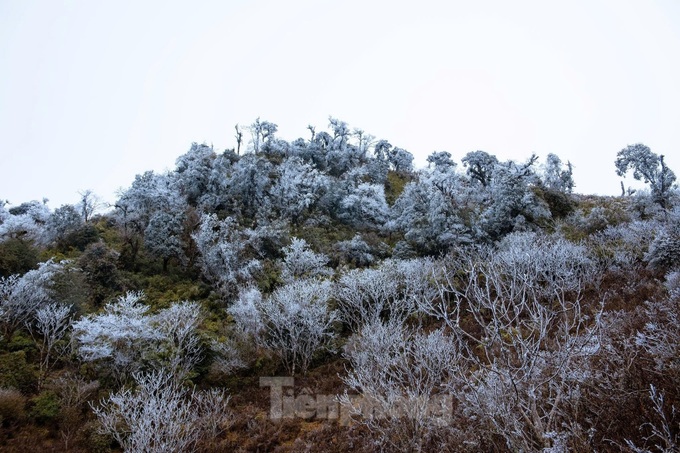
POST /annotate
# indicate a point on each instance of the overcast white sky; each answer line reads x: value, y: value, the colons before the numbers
x: 94, y: 92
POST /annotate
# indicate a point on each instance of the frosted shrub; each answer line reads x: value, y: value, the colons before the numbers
x: 160, y: 415
x: 302, y: 262
x: 224, y: 259
x: 125, y: 338
x: 673, y: 284
x: 664, y: 251
x: 524, y: 335
x: 246, y: 312
x: 392, y: 291
x: 356, y: 251
x: 21, y: 296
x: 401, y: 374
x: 295, y: 321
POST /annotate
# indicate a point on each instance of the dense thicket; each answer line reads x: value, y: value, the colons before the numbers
x: 541, y: 319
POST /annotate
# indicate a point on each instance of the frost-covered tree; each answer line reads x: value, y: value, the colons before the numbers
x: 419, y: 280
x: 224, y: 252
x: 314, y: 151
x: 365, y: 206
x: 249, y: 183
x: 430, y: 212
x: 298, y: 322
x: 62, y: 222
x: 89, y: 204
x: 302, y: 262
x: 381, y: 150
x: 148, y: 195
x: 341, y: 159
x: 664, y: 436
x: 480, y: 166
x: 297, y: 188
x: 513, y: 205
x: 246, y: 313
x: 661, y: 335
x: 125, y: 338
x: 555, y: 176
x: 664, y: 250
x: 649, y: 168
x: 378, y: 166
x: 441, y: 172
x: 179, y: 349
x: 22, y: 296
x: 341, y: 131
x: 389, y: 292
x: 120, y: 337
x: 193, y: 172
x: 364, y: 296
x: 216, y: 195
x: 356, y: 251
x: 262, y: 133
x: 410, y: 211
x: 228, y: 355
x: 48, y: 326
x: 267, y: 239
x: 364, y: 140
x: 400, y: 159
x: 160, y: 415
x: 525, y: 338
x: 4, y: 213
x: 25, y: 221
x: 441, y: 161
x: 163, y: 237
x: 340, y: 155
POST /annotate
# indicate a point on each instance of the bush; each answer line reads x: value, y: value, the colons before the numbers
x: 16, y: 373
x: 673, y: 284
x: 160, y: 415
x: 45, y: 407
x: 17, y: 257
x: 559, y: 203
x: 99, y: 264
x: 78, y: 239
x: 94, y: 439
x: 12, y: 405
x: 664, y: 251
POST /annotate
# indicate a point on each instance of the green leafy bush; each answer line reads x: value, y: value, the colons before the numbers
x: 46, y: 407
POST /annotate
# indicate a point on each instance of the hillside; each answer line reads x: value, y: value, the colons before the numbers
x: 324, y: 295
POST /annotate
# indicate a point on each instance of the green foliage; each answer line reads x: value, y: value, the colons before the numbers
x: 394, y: 186
x: 17, y: 373
x: 21, y: 341
x: 322, y: 239
x: 163, y: 289
x: 78, y: 239
x: 269, y: 277
x: 95, y: 441
x: 17, y: 257
x: 593, y: 214
x: 559, y: 203
x: 70, y: 287
x: 99, y: 265
x: 108, y: 231
x: 45, y: 407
